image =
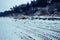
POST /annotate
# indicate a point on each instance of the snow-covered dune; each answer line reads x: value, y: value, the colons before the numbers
x: 14, y: 29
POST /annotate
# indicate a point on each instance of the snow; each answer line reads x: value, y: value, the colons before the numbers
x: 46, y: 16
x: 15, y: 29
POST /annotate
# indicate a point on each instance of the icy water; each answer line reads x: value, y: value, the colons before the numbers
x: 14, y: 29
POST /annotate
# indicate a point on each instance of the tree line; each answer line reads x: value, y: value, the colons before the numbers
x: 31, y: 8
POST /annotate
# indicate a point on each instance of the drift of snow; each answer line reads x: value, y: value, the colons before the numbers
x: 14, y: 29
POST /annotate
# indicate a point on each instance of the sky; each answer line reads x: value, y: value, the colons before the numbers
x: 7, y: 4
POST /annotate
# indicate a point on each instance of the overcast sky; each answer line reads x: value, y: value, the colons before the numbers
x: 7, y: 4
